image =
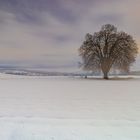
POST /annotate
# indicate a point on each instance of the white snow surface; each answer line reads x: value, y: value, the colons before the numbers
x: 69, y: 108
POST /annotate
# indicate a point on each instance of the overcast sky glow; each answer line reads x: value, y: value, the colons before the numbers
x: 48, y: 33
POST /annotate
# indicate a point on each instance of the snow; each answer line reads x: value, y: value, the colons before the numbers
x: 69, y: 108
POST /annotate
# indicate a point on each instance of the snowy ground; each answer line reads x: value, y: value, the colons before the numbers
x: 58, y: 108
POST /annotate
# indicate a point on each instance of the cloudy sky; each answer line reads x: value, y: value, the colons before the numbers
x: 48, y: 33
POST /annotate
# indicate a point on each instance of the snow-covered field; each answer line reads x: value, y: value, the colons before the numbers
x: 66, y: 108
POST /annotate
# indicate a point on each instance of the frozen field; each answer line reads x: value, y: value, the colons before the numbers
x: 62, y: 108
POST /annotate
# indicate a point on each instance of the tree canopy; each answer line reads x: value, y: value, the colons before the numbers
x: 108, y: 49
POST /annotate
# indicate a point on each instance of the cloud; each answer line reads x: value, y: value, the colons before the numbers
x: 36, y: 43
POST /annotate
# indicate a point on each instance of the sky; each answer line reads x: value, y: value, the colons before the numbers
x: 47, y: 33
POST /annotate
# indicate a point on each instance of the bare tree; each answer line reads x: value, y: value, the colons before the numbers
x: 108, y: 48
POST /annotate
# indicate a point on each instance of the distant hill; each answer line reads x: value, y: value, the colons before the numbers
x: 34, y: 72
x: 135, y: 73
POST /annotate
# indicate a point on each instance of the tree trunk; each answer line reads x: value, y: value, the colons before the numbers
x: 105, y: 66
x: 106, y: 75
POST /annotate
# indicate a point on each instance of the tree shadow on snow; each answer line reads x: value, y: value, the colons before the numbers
x: 112, y: 78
